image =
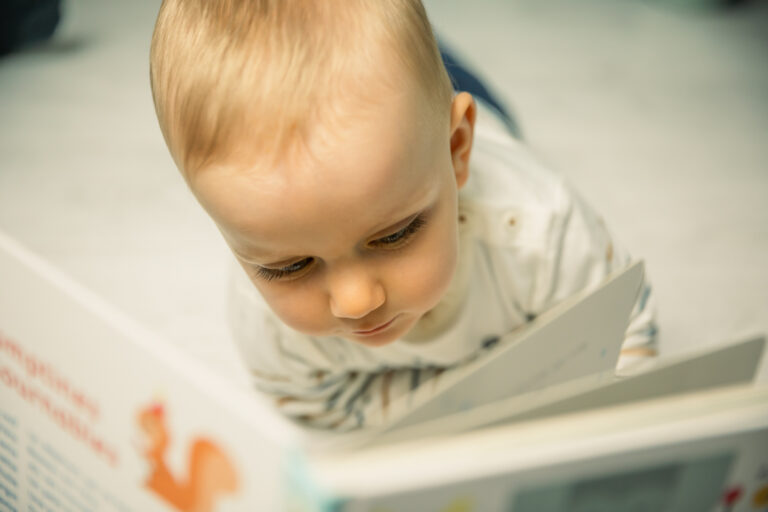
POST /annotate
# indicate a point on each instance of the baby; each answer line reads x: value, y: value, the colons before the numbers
x: 325, y: 140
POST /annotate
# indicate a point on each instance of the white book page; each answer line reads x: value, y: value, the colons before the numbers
x: 726, y: 365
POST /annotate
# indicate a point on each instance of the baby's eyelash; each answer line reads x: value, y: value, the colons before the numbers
x: 393, y: 241
x: 399, y: 237
x: 269, y: 274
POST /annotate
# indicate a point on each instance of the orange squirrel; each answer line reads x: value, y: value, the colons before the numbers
x: 209, y: 470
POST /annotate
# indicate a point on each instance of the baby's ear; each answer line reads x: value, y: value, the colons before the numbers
x: 463, y: 113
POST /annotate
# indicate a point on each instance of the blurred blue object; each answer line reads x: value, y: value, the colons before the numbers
x: 23, y: 22
x: 465, y: 80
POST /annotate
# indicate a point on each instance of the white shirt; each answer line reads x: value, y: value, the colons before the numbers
x: 527, y: 241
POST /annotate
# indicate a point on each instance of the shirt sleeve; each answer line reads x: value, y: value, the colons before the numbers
x: 581, y: 254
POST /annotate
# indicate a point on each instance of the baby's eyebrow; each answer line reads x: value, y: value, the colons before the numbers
x: 283, y: 261
x: 395, y: 226
x: 277, y: 264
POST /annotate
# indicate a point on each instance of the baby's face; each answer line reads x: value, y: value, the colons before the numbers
x: 359, y: 241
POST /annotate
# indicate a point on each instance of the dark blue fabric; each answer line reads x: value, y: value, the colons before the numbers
x: 465, y: 80
x: 24, y: 22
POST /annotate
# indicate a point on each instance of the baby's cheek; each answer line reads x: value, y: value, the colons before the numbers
x: 301, y: 310
x: 427, y: 276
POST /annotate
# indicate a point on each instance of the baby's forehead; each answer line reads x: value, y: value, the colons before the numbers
x: 339, y: 176
x: 350, y: 141
x: 259, y: 198
x: 267, y: 216
x: 382, y: 148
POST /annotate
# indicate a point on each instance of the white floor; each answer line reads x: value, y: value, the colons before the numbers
x: 658, y: 114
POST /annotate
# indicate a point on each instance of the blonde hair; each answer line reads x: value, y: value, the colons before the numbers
x: 265, y: 68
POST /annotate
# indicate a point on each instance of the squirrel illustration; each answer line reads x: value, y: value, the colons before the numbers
x: 209, y: 471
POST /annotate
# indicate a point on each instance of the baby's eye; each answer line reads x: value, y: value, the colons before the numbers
x: 293, y: 270
x: 398, y: 238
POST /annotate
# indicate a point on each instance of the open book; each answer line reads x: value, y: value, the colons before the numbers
x: 97, y: 413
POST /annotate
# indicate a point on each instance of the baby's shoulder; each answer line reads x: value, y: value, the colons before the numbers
x: 505, y: 169
x: 510, y: 196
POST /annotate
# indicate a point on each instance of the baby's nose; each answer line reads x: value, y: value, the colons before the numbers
x: 355, y: 293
